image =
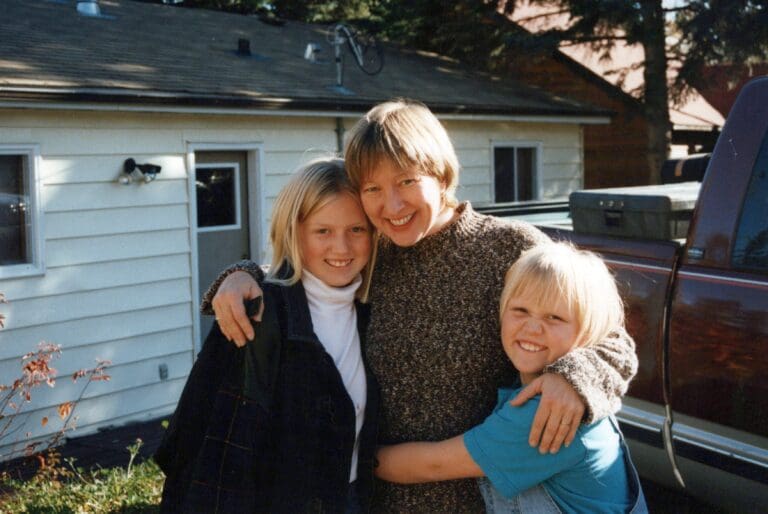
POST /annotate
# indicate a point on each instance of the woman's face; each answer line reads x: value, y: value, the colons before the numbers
x: 535, y: 336
x: 404, y: 204
x: 335, y: 241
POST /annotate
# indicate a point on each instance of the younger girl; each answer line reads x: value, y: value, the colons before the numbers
x: 286, y: 423
x: 555, y: 298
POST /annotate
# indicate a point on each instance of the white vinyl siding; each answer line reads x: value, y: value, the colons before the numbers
x: 118, y: 278
x: 118, y: 281
x: 560, y: 166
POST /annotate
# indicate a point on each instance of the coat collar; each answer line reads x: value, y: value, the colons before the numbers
x: 298, y: 320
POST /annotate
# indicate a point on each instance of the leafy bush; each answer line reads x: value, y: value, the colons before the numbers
x: 64, y: 488
x: 36, y: 370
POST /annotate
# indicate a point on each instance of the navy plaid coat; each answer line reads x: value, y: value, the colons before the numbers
x: 268, y: 427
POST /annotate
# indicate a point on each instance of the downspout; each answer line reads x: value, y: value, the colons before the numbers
x: 339, y: 136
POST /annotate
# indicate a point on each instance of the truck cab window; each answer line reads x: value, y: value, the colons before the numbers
x: 751, y: 247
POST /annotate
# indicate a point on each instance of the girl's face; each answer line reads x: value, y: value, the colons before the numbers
x: 335, y: 241
x: 534, y: 336
x: 404, y: 205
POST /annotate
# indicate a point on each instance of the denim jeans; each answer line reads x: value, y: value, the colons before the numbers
x: 534, y: 500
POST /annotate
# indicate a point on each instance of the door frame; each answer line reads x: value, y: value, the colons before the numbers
x: 256, y: 216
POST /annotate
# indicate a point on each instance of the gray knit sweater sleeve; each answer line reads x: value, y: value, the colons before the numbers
x: 600, y: 373
x: 256, y: 271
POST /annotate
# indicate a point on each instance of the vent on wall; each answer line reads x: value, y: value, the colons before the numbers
x: 91, y: 9
x: 88, y: 8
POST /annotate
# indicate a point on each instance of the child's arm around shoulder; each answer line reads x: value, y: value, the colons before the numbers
x: 498, y: 448
x: 418, y: 462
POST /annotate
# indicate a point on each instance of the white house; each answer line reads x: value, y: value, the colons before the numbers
x: 114, y: 270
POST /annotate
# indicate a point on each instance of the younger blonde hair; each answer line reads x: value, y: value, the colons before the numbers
x: 553, y: 271
x: 410, y: 136
x: 312, y: 186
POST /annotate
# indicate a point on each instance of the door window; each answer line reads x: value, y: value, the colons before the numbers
x: 218, y: 196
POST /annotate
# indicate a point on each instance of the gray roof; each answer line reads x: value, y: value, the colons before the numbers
x: 143, y: 53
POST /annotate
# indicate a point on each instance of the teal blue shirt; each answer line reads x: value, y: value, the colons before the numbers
x: 588, y: 476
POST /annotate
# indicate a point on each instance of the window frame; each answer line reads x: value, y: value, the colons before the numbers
x: 236, y: 167
x: 537, y: 147
x: 749, y: 206
x: 36, y: 265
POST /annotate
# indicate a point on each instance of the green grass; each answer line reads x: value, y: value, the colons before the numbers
x: 65, y: 488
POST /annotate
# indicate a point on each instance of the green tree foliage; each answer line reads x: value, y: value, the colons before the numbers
x: 309, y: 10
x: 685, y: 34
x: 717, y: 32
x: 600, y: 24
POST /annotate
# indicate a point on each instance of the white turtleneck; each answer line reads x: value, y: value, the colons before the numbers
x: 334, y: 320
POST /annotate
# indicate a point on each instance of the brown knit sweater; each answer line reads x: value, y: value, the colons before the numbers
x: 433, y: 343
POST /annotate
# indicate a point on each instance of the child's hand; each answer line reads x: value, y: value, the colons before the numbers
x: 559, y: 414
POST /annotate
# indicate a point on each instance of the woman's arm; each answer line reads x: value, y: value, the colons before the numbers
x: 600, y: 373
x: 414, y: 463
x: 225, y: 298
x: 597, y: 375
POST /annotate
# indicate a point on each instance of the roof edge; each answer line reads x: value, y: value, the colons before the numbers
x: 124, y: 99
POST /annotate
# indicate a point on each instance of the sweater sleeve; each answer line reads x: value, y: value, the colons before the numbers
x: 600, y: 373
x: 257, y: 272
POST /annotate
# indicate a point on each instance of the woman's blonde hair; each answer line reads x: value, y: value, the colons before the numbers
x: 410, y: 136
x: 554, y: 271
x: 311, y: 187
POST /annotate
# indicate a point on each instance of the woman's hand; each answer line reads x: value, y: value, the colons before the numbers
x: 230, y: 310
x: 559, y: 414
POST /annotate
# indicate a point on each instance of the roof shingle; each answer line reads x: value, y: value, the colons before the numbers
x: 156, y: 53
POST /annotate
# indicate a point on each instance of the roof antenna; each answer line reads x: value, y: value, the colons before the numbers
x: 367, y: 53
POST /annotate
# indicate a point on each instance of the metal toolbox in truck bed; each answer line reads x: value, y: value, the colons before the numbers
x: 650, y: 212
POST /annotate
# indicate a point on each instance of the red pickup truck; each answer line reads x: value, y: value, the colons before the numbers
x: 696, y: 415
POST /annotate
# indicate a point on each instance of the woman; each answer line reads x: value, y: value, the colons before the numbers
x: 434, y: 295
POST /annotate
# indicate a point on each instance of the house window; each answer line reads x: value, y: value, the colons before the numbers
x: 751, y: 247
x: 20, y: 247
x: 515, y: 172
